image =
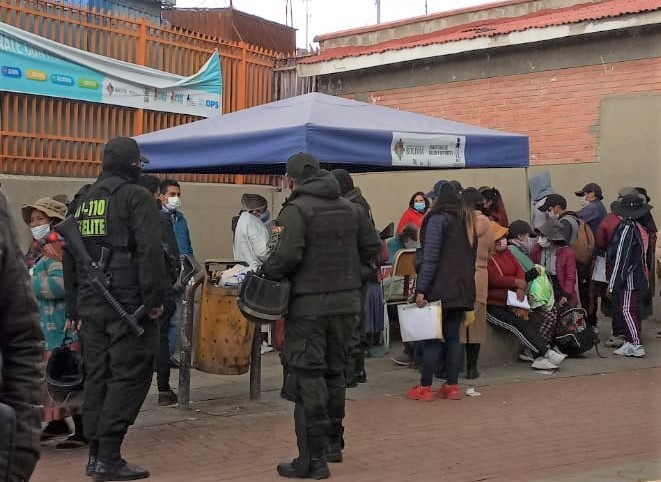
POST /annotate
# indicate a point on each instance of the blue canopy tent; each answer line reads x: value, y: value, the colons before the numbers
x: 357, y: 136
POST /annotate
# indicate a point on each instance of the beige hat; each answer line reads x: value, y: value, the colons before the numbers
x: 47, y: 205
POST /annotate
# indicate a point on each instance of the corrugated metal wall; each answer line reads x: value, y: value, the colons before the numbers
x: 231, y: 24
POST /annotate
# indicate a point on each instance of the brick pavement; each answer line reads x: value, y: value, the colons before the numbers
x: 525, y: 431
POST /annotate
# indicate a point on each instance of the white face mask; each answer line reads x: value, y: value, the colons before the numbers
x: 411, y: 244
x: 553, y: 215
x: 40, y: 232
x: 543, y: 241
x: 174, y: 202
x: 584, y: 201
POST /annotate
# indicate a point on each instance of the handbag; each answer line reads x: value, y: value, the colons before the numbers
x: 418, y: 324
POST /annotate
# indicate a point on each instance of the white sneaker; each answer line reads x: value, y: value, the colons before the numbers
x: 526, y: 355
x: 555, y: 357
x: 542, y: 363
x: 638, y: 351
x: 624, y: 349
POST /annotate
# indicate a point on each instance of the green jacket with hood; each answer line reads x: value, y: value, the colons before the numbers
x: 289, y: 252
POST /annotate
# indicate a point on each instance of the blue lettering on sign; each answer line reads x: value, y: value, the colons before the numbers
x: 212, y: 103
x: 13, y: 72
x: 61, y: 79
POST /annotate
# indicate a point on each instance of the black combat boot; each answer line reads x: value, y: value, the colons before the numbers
x: 336, y: 442
x: 118, y: 469
x: 317, y: 470
x: 91, y: 461
x: 361, y: 374
x: 472, y: 354
x: 351, y: 372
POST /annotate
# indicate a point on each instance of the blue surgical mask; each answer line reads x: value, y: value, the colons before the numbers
x: 420, y: 206
x: 266, y: 215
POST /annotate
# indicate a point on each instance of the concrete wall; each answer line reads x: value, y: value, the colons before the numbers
x: 208, y: 208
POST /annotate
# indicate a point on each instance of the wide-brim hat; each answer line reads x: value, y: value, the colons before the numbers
x: 631, y: 206
x: 553, y: 230
x: 499, y: 231
x: 47, y: 205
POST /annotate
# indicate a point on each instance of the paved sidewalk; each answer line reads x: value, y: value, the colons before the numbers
x: 593, y: 420
x: 592, y: 428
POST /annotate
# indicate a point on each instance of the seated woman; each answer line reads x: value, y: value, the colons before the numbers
x: 552, y: 252
x: 506, y: 274
x: 547, y: 315
x: 407, y: 239
x: 418, y: 207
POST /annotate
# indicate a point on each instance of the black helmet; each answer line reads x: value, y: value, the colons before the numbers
x: 262, y: 300
x: 64, y: 374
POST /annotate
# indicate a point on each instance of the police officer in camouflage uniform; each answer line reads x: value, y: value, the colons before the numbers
x: 323, y: 240
x: 116, y: 214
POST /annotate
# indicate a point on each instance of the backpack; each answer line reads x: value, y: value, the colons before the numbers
x: 583, y: 247
x: 573, y: 336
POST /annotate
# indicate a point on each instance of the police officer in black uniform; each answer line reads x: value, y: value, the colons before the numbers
x: 323, y: 240
x: 116, y: 214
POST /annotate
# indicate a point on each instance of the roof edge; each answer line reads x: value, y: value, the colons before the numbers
x: 529, y: 36
x: 398, y: 23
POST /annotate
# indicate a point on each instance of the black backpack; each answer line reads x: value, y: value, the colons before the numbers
x: 573, y: 335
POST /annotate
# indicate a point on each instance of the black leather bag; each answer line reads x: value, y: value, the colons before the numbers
x: 7, y: 439
x: 262, y: 300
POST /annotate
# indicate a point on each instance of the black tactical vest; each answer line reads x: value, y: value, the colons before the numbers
x: 101, y: 221
x: 331, y: 261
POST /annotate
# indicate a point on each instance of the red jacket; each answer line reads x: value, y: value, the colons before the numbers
x: 565, y: 267
x: 410, y: 216
x: 500, y: 284
x: 604, y: 235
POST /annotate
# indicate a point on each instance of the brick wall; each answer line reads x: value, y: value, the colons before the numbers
x: 559, y: 109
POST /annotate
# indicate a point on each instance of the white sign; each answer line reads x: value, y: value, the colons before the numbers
x: 409, y: 149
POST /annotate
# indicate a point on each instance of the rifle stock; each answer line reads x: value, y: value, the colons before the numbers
x: 69, y: 230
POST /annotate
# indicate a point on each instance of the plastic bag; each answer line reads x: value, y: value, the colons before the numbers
x: 540, y: 291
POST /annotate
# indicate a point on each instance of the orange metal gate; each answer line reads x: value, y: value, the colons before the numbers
x: 62, y: 137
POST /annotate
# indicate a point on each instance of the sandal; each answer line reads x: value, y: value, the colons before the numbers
x: 73, y: 442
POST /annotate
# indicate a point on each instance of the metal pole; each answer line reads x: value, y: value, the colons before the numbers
x: 186, y: 336
x: 378, y: 11
x: 256, y: 365
x: 426, y: 7
x: 307, y: 23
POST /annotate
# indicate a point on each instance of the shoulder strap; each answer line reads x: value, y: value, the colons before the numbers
x: 497, y: 266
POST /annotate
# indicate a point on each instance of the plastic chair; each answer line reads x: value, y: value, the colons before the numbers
x: 403, y: 266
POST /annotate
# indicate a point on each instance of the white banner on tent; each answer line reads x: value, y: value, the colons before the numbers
x: 411, y: 149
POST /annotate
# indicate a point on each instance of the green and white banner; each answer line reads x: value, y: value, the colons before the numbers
x: 31, y: 64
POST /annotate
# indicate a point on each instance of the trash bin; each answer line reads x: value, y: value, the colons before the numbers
x: 224, y: 337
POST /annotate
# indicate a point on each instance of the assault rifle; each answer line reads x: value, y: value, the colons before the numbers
x: 94, y: 270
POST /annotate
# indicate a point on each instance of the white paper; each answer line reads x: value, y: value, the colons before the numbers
x: 417, y: 324
x: 599, y: 273
x: 514, y: 302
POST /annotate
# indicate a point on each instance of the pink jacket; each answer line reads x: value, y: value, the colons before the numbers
x: 565, y: 267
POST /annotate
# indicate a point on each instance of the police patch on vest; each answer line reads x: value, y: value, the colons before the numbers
x: 92, y: 216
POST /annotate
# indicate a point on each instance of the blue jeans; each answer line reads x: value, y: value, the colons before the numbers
x: 431, y: 349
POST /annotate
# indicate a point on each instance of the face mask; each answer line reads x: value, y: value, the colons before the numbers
x: 553, y: 215
x: 501, y: 245
x: 174, y: 202
x: 543, y: 241
x: 584, y: 202
x: 266, y: 215
x: 40, y: 232
x: 419, y: 206
x: 411, y: 244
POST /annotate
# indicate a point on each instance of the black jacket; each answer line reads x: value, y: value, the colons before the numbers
x: 143, y: 221
x: 289, y: 251
x: 21, y: 350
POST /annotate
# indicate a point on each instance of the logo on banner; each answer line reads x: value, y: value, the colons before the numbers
x: 411, y: 149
